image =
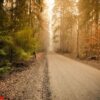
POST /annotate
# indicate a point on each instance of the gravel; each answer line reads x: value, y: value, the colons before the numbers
x: 30, y: 84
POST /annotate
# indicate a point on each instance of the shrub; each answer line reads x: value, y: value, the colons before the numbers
x: 2, y: 53
x: 18, y: 46
x: 4, y: 70
x: 5, y: 63
x: 24, y: 39
x: 21, y: 54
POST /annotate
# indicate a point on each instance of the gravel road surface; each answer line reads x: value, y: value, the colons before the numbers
x: 72, y: 80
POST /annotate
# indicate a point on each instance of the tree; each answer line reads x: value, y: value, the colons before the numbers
x: 66, y: 22
x: 89, y: 19
x: 20, y: 26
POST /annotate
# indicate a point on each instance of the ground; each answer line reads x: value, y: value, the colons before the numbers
x: 54, y: 77
x: 92, y: 62
x: 72, y: 80
x: 27, y: 84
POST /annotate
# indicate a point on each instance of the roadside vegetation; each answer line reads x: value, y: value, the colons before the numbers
x: 20, y: 29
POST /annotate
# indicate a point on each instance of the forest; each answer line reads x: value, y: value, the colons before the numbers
x: 49, y: 49
x: 77, y: 27
x: 20, y: 32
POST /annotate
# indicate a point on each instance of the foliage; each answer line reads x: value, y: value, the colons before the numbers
x: 76, y: 27
x: 24, y: 39
x: 18, y: 26
x: 4, y: 70
x: 89, y: 23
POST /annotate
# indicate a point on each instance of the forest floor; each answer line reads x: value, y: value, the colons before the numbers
x: 30, y: 84
x: 92, y: 63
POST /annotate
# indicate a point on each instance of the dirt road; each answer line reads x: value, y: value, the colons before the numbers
x: 72, y: 80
